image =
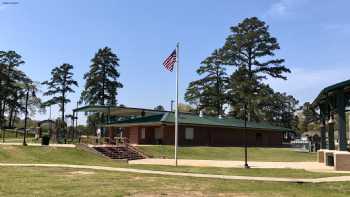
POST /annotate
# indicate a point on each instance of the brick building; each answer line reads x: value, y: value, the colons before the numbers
x: 195, y: 130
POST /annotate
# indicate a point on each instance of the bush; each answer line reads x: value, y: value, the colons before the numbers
x: 45, y: 140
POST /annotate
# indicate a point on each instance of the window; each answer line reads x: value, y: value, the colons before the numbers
x: 189, y: 134
x: 143, y: 133
x: 158, y: 134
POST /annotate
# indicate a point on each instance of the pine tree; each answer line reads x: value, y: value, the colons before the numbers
x: 267, y: 105
x: 10, y: 77
x: 102, y: 83
x: 60, y: 84
x: 209, y: 92
x: 238, y: 96
x: 251, y: 48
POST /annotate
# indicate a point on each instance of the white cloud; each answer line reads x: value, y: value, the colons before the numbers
x: 283, y: 8
x: 305, y: 84
x: 279, y: 8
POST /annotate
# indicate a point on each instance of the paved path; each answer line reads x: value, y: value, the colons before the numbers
x: 310, y: 166
x: 227, y: 177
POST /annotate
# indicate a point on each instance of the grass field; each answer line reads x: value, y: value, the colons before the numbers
x: 34, y: 154
x: 229, y: 153
x: 39, y: 182
x: 31, y: 181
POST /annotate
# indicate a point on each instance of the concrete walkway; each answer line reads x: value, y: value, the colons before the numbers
x: 309, y: 166
x: 226, y: 177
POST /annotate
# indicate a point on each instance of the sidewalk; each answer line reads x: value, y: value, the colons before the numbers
x: 310, y: 166
x: 226, y: 177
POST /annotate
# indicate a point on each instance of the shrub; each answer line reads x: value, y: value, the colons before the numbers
x: 45, y: 140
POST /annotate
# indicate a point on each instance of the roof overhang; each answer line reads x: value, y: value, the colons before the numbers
x: 118, y: 110
x: 329, y: 91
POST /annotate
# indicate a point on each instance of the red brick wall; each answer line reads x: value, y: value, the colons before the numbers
x: 208, y: 136
x: 133, y: 135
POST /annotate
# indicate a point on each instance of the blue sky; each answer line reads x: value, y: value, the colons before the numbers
x: 313, y: 35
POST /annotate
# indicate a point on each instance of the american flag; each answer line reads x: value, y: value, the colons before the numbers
x: 169, y: 62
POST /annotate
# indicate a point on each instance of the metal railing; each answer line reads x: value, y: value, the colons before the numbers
x: 94, y: 140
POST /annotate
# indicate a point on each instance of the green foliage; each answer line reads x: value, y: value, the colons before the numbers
x: 186, y: 108
x: 250, y: 49
x: 209, y: 92
x: 58, y: 87
x: 159, y: 108
x: 308, y: 118
x: 14, y: 85
x: 102, y: 83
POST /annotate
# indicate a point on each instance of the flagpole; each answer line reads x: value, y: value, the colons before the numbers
x: 177, y: 102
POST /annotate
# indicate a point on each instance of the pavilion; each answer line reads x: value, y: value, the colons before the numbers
x: 332, y: 103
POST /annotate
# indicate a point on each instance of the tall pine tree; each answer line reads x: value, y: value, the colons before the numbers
x: 102, y: 83
x: 209, y: 92
x: 59, y: 86
x: 10, y: 77
x: 251, y: 48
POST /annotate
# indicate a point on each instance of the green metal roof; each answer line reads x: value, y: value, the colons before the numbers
x: 146, y: 119
x: 92, y: 108
x: 192, y: 119
x: 323, y: 94
x: 118, y: 110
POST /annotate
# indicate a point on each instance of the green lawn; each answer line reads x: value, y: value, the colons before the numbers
x: 229, y: 153
x: 37, y: 182
x: 31, y: 154
x: 34, y: 154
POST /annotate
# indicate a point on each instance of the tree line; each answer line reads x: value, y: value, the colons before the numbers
x: 101, y: 87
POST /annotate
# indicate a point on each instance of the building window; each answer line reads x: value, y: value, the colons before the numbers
x: 143, y: 133
x: 158, y: 134
x: 189, y: 134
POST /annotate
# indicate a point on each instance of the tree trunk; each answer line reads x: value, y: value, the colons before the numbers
x: 63, y: 107
x: 10, y: 117
x: 103, y: 83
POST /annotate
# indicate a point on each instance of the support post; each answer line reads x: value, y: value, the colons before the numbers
x: 323, y: 128
x: 323, y: 133
x: 331, y: 145
x: 341, y: 120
